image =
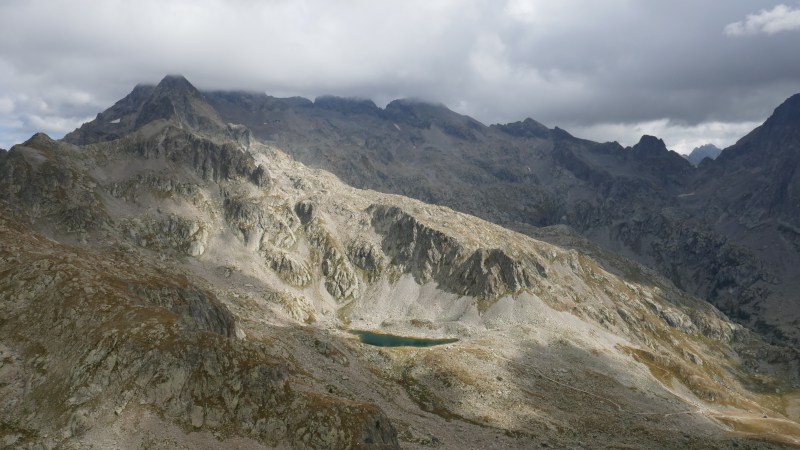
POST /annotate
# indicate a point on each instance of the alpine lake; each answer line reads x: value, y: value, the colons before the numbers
x: 391, y: 340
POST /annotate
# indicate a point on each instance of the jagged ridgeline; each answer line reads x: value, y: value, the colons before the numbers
x: 174, y: 278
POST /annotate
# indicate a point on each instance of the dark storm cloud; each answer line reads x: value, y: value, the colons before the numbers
x: 692, y: 71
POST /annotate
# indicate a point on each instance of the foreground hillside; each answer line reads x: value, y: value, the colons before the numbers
x: 183, y: 284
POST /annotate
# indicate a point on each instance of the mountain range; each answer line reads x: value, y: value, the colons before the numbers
x: 713, y: 232
x: 185, y: 270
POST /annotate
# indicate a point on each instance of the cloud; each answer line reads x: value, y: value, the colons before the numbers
x: 679, y: 137
x: 56, y: 124
x: 619, y: 62
x: 778, y: 19
x: 6, y: 105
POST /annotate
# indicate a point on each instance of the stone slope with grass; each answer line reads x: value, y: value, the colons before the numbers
x: 185, y: 284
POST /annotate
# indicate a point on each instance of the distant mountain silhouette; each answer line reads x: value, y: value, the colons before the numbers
x: 697, y: 155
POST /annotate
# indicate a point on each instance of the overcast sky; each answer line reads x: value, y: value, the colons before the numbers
x: 690, y: 72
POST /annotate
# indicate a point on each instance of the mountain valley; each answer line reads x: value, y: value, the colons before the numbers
x: 185, y: 271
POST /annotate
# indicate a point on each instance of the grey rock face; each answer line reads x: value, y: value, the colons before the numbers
x: 340, y: 278
x: 432, y: 255
x: 367, y: 257
x: 292, y: 271
x: 212, y: 160
x: 196, y: 308
x: 298, y: 307
x: 33, y: 175
x: 174, y: 99
x: 172, y: 232
x: 261, y: 177
x: 162, y: 185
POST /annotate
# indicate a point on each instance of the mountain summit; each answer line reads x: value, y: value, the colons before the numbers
x: 778, y: 137
x: 650, y: 145
x: 173, y: 99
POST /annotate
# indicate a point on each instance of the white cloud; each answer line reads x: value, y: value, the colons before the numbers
x: 6, y: 105
x: 618, y: 61
x: 778, y: 19
x: 56, y: 124
x: 681, y: 138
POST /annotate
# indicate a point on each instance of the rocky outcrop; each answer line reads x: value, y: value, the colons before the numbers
x: 322, y: 424
x: 212, y: 160
x: 274, y: 228
x: 172, y: 232
x: 37, y: 174
x: 246, y: 218
x: 261, y: 178
x: 254, y: 221
x: 290, y: 270
x: 297, y: 307
x: 527, y: 128
x: 160, y: 185
x: 433, y: 255
x: 367, y: 257
x: 340, y: 278
x: 196, y: 308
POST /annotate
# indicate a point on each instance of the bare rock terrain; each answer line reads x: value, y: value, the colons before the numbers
x: 182, y: 284
x: 726, y: 231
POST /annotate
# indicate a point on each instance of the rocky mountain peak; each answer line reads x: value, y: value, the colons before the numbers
x: 38, y: 139
x: 347, y: 105
x: 650, y: 144
x: 175, y: 82
x: 174, y: 98
x: 788, y: 113
x: 666, y: 165
x: 419, y: 113
x: 560, y: 133
x: 527, y: 128
x: 778, y: 137
x: 782, y: 128
x: 697, y: 155
x: 422, y: 114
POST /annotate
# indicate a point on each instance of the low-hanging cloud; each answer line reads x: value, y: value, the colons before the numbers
x: 572, y: 63
x: 778, y: 19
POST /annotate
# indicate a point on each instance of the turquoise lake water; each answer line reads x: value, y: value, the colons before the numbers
x: 390, y: 340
